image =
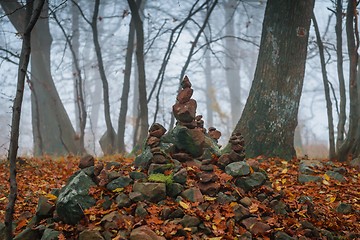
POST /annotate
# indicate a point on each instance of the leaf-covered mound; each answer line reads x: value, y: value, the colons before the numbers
x: 324, y: 205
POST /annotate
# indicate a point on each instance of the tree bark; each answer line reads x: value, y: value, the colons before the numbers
x: 340, y: 73
x: 143, y: 114
x: 52, y: 129
x: 108, y: 145
x: 320, y: 44
x: 126, y: 89
x: 349, y: 145
x: 30, y: 19
x: 270, y: 115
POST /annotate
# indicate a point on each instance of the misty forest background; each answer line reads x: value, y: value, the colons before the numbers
x: 87, y: 55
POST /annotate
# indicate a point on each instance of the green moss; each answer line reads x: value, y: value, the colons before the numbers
x: 159, y: 177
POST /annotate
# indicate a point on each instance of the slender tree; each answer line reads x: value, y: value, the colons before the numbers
x: 270, y: 115
x: 320, y: 44
x: 30, y: 21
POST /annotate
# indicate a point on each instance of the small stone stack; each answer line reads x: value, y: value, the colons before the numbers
x: 208, y: 180
x: 159, y: 161
x: 185, y: 107
x: 236, y: 153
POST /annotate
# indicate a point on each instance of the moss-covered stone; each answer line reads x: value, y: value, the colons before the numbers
x: 159, y: 177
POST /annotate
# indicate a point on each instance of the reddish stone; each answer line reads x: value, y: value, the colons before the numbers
x: 157, y: 130
x: 224, y: 160
x: 103, y: 178
x: 186, y: 83
x: 86, y: 161
x: 237, y: 147
x: 210, y: 189
x: 215, y: 134
x: 145, y: 233
x: 254, y: 164
x: 184, y: 95
x: 182, y: 157
x: 98, y: 167
x: 159, y: 159
x: 153, y: 141
x: 259, y: 228
x: 185, y: 112
x: 236, y: 157
x: 198, y: 137
x: 248, y: 222
x: 205, y: 177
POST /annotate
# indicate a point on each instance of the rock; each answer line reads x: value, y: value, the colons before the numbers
x: 113, y: 175
x: 2, y: 230
x: 174, y: 189
x: 103, y: 178
x: 153, y: 141
x: 122, y: 200
x: 279, y: 207
x: 189, y: 221
x: 112, y: 165
x: 207, y: 168
x: 253, y: 163
x: 182, y: 157
x: 98, y: 167
x: 49, y: 234
x: 304, y: 178
x: 144, y: 159
x: 107, y: 203
x: 210, y: 189
x: 224, y: 160
x: 90, y: 235
x: 44, y: 208
x: 193, y: 195
x: 110, y: 220
x: 136, y: 196
x: 240, y: 212
x: 214, y: 134
x: 282, y: 236
x: 159, y: 168
x: 205, y: 177
x: 246, y: 201
x: 137, y: 175
x: 344, y: 208
x: 157, y: 130
x: 335, y: 175
x: 236, y: 157
x: 120, y: 182
x: 185, y: 83
x: 153, y: 192
x: 184, y: 95
x: 144, y: 233
x: 308, y: 166
x: 180, y: 176
x: 178, y: 213
x: 223, y: 198
x: 259, y: 228
x: 28, y: 234
x: 74, y: 198
x: 248, y: 222
x: 237, y: 169
x: 355, y: 163
x: 160, y: 159
x: 252, y: 181
x: 86, y: 161
x: 185, y: 112
x: 340, y: 170
x: 140, y: 210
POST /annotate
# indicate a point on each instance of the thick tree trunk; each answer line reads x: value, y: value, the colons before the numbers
x: 320, y: 44
x: 30, y: 19
x: 52, y: 129
x: 270, y: 115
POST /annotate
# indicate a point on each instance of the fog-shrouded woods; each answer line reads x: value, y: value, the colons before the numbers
x: 102, y: 72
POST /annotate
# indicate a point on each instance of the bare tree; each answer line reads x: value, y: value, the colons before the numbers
x: 30, y: 21
x: 320, y: 44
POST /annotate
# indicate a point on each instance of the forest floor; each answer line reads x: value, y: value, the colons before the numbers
x: 38, y: 176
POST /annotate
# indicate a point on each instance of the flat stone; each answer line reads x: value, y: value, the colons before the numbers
x: 180, y: 176
x: 309, y: 166
x: 207, y: 168
x: 44, y: 208
x: 210, y: 189
x: 90, y: 235
x: 160, y: 159
x: 254, y: 180
x: 136, y: 196
x: 259, y: 228
x: 237, y: 169
x: 223, y: 198
x: 189, y: 221
x: 224, y: 160
x: 120, y: 182
x: 335, y: 175
x: 206, y: 177
x: 193, y: 195
x: 158, y: 168
x: 144, y: 233
x: 304, y: 178
x: 153, y: 192
x: 182, y: 157
x: 240, y: 212
x: 157, y: 130
x: 122, y: 200
x: 137, y: 175
x: 282, y: 236
x: 86, y: 161
x: 344, y: 208
x: 152, y: 141
x: 236, y: 157
x: 174, y: 189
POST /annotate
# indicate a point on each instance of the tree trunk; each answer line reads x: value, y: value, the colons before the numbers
x: 349, y: 144
x: 108, y: 140
x: 332, y: 154
x: 210, y: 93
x: 144, y: 123
x: 270, y: 115
x: 30, y: 19
x: 52, y: 129
x: 126, y: 89
x: 232, y: 63
x: 341, y: 79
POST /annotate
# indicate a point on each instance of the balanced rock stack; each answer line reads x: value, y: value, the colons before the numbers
x: 236, y: 152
